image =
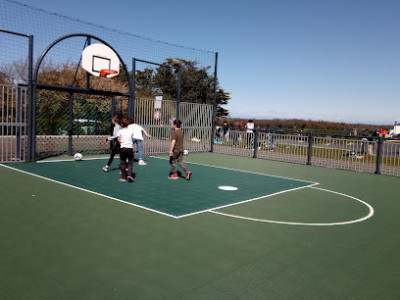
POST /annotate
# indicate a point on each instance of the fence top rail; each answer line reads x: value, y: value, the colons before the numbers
x: 312, y: 133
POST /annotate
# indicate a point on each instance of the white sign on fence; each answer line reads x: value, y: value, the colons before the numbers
x: 158, y: 102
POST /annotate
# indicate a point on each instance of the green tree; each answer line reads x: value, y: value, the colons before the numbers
x: 197, y: 86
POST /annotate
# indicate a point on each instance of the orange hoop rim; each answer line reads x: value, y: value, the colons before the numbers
x: 105, y: 72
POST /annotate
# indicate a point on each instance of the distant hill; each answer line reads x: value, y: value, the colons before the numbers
x: 309, y: 125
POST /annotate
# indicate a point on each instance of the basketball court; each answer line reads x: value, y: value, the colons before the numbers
x: 212, y: 187
x: 65, y: 236
x: 241, y: 228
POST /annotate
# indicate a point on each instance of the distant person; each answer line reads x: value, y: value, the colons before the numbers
x: 218, y: 132
x: 249, y: 132
x: 126, y: 152
x: 137, y: 139
x: 114, y: 144
x: 225, y: 130
x: 176, y: 151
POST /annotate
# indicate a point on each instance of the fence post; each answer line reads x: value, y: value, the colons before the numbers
x: 214, y: 112
x: 32, y: 105
x: 71, y: 123
x: 255, y: 146
x: 310, y: 141
x: 132, y: 98
x: 378, y: 156
x: 18, y: 119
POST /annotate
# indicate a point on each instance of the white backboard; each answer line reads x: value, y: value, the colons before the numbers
x: 97, y: 57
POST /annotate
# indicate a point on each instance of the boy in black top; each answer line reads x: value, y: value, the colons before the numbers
x: 176, y: 151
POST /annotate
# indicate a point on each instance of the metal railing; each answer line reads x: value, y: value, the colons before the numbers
x: 13, y: 123
x: 365, y: 154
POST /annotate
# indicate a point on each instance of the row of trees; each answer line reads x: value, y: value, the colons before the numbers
x: 197, y: 85
x: 309, y: 125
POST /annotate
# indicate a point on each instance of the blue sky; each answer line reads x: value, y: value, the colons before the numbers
x: 306, y: 59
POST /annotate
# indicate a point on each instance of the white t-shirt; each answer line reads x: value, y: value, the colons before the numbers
x: 117, y: 128
x: 137, y: 131
x: 126, y: 138
x: 250, y: 127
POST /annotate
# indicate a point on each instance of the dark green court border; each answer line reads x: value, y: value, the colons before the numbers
x: 153, y: 191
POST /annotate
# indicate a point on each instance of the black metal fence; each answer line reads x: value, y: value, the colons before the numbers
x: 372, y: 154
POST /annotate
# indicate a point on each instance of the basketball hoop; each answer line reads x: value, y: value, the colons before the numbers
x: 105, y: 72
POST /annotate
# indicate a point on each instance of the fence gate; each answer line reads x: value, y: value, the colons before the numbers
x: 15, y: 73
x: 13, y: 122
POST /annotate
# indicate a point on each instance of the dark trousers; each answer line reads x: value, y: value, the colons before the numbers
x: 126, y: 157
x: 178, y: 156
x: 114, y: 146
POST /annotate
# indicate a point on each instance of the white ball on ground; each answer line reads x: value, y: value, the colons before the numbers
x: 185, y: 152
x: 78, y: 156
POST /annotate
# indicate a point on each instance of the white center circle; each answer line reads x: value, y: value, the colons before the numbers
x: 228, y: 188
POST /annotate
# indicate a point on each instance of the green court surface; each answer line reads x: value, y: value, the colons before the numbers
x: 335, y: 240
x: 154, y: 191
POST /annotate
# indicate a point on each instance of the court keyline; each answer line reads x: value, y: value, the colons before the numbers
x: 369, y: 215
x: 156, y: 211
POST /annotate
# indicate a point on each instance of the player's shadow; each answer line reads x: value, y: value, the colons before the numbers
x: 118, y: 169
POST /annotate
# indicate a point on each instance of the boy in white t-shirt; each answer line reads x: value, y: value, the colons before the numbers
x: 126, y: 152
x: 137, y: 139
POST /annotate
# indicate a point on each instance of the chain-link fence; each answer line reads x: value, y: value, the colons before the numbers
x: 69, y: 123
x: 157, y: 116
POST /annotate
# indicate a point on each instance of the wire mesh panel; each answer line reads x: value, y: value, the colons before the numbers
x: 344, y: 153
x: 52, y: 123
x: 283, y: 147
x: 390, y: 158
x: 196, y: 125
x: 69, y: 123
x: 13, y: 122
x: 235, y: 142
x: 47, y: 26
x: 157, y: 116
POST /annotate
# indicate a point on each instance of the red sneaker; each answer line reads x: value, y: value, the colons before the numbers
x: 173, y: 176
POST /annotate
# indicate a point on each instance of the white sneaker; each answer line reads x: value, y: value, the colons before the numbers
x: 142, y: 162
x: 105, y: 168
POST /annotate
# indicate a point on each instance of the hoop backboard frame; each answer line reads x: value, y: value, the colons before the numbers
x: 97, y: 57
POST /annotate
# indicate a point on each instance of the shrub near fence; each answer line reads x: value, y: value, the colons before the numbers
x: 364, y: 154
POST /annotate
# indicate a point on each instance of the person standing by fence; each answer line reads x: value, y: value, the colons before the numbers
x: 225, y: 129
x: 249, y: 132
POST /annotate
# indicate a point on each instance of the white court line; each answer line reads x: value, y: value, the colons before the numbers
x: 68, y: 160
x: 89, y: 191
x: 369, y: 215
x: 242, y: 171
x: 248, y: 200
x: 311, y: 184
x: 193, y: 163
